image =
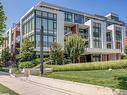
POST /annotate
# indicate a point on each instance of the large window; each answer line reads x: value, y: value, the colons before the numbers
x: 97, y: 35
x: 68, y: 16
x: 118, y: 34
x: 49, y: 23
x: 28, y: 24
x: 78, y: 18
x: 118, y: 45
x: 84, y: 33
x: 109, y: 36
x: 118, y: 38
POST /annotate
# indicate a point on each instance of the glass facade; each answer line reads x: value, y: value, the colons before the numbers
x: 118, y: 35
x: 78, y: 18
x: 84, y: 35
x: 68, y: 16
x: 109, y: 40
x: 97, y: 35
x: 49, y: 23
x: 28, y: 24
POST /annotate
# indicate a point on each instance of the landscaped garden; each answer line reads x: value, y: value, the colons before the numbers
x: 4, y: 90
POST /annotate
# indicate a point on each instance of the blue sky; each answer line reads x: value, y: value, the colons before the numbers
x: 14, y: 9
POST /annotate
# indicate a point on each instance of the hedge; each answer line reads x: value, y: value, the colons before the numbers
x: 4, y: 69
x: 121, y: 64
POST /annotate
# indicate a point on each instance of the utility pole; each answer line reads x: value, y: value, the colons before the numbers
x: 41, y: 51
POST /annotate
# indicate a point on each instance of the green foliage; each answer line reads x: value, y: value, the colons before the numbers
x: 27, y: 64
x: 4, y: 69
x: 2, y: 22
x: 26, y: 51
x: 5, y: 57
x: 91, y: 66
x: 15, y: 71
x: 74, y: 47
x: 56, y: 53
x: 125, y: 49
x: 2, y: 18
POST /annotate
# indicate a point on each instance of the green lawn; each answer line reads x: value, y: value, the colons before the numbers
x: 5, y: 90
x: 114, y: 79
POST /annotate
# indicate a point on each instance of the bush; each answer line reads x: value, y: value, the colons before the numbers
x: 27, y: 64
x: 90, y: 66
x: 15, y: 71
x: 4, y: 69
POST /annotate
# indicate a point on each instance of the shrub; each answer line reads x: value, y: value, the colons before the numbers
x: 27, y: 64
x: 4, y: 69
x: 90, y: 66
x: 15, y: 71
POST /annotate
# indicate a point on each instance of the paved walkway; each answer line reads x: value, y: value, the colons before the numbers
x: 46, y: 86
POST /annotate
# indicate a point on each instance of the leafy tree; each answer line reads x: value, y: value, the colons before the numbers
x: 56, y: 53
x: 74, y: 47
x: 2, y: 22
x: 5, y: 57
x: 125, y: 49
x: 26, y: 51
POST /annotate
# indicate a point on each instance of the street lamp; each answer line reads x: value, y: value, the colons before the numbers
x: 41, y: 51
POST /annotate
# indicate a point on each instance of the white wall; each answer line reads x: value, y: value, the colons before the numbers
x: 60, y: 28
x: 89, y: 23
x: 103, y: 32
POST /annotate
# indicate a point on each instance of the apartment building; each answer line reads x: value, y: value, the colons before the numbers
x: 15, y: 39
x: 105, y: 35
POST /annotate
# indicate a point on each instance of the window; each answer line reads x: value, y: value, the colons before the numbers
x: 37, y: 40
x: 97, y: 35
x: 96, y: 30
x: 50, y: 15
x: 44, y: 23
x: 109, y: 45
x: 118, y: 45
x: 96, y: 58
x: 44, y: 14
x: 84, y: 33
x: 108, y: 37
x: 45, y: 41
x: 79, y: 19
x: 38, y: 23
x: 118, y: 34
x: 68, y: 16
x: 38, y: 13
x: 67, y: 29
x: 97, y: 43
x: 50, y: 39
x: 49, y: 23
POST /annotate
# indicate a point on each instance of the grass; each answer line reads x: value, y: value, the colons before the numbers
x: 120, y: 64
x: 5, y: 90
x: 113, y: 79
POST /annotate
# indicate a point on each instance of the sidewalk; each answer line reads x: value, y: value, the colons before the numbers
x: 27, y: 87
x: 46, y: 86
